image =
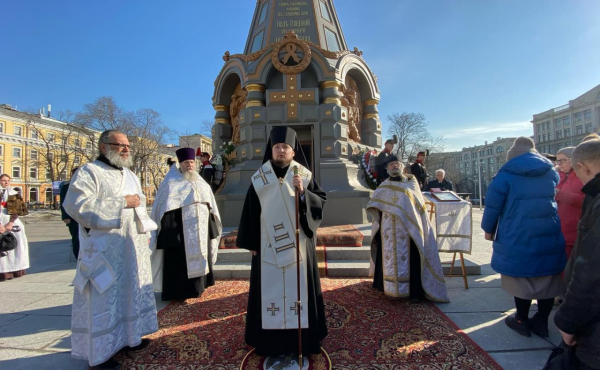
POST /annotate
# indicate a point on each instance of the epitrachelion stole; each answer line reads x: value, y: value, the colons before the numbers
x: 278, y: 248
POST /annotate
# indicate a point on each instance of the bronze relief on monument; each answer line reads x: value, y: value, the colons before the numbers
x: 352, y: 101
x: 238, y: 103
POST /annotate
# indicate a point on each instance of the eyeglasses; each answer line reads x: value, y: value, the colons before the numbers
x: 122, y: 146
x: 561, y: 161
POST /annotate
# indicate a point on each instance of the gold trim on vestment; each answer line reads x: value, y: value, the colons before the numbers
x: 395, y: 249
x: 453, y: 236
x: 396, y: 279
x: 408, y: 193
x: 416, y: 225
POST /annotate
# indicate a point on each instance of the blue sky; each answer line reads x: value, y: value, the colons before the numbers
x: 477, y: 69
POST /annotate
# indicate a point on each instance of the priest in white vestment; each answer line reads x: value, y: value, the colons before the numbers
x: 113, y: 301
x: 186, y: 243
x: 268, y: 230
x: 404, y: 247
x: 14, y: 264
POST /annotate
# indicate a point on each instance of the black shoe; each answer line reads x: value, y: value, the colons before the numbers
x: 520, y: 326
x: 539, y: 326
x: 111, y: 364
x: 145, y: 343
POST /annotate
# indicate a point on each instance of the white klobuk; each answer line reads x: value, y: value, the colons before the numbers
x: 278, y: 248
x: 18, y: 258
x: 197, y: 202
x: 113, y: 301
x: 398, y: 211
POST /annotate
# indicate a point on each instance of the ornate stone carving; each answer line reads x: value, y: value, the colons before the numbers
x: 291, y: 43
x: 351, y: 100
x: 357, y: 52
x: 238, y: 102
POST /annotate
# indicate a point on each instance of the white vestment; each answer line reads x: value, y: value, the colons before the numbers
x: 197, y: 202
x: 18, y: 258
x: 113, y: 302
x: 278, y: 249
x: 399, y: 214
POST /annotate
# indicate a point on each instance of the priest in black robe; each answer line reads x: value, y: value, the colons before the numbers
x: 282, y: 152
x: 189, y: 232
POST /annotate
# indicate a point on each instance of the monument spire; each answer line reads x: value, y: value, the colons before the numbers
x: 312, y: 20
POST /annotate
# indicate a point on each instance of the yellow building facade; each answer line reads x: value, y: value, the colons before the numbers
x: 36, y: 150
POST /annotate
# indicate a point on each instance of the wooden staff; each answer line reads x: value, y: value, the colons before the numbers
x: 298, y: 305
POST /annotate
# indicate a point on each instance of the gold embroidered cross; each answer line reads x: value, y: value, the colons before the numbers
x: 262, y: 175
x: 272, y: 309
x: 295, y: 308
x: 90, y: 251
x: 395, y: 198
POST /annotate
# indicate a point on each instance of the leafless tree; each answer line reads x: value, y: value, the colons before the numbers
x: 413, y: 136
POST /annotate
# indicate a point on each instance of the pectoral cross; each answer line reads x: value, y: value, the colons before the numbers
x: 273, y: 309
x: 262, y: 175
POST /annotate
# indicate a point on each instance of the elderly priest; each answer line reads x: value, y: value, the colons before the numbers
x: 267, y: 229
x: 404, y: 248
x: 189, y: 232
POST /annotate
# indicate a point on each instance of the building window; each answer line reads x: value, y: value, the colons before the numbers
x: 18, y: 130
x: 490, y: 151
x: 33, y: 195
x: 263, y: 13
x: 64, y: 158
x: 577, y: 117
x: 1, y: 126
x: 331, y: 39
x: 48, y: 174
x: 77, y: 143
x: 1, y: 151
x: 467, y: 165
x: 324, y: 11
x: 51, y: 137
x: 257, y: 42
x: 539, y: 138
x: 50, y: 157
x: 567, y: 132
x: 492, y: 169
x: 558, y: 134
x: 499, y: 149
x: 468, y: 173
x: 549, y: 136
x: 16, y: 172
x: 17, y: 152
x: 77, y: 159
x: 34, y: 134
x: 579, y: 130
x: 544, y: 138
x: 587, y: 115
x: 49, y: 196
x: 588, y: 130
x: 566, y: 120
x: 491, y: 160
x: 88, y: 145
x: 65, y: 140
x: 558, y: 122
x: 33, y: 173
x: 63, y: 175
x: 34, y: 154
x: 466, y: 156
x: 539, y: 127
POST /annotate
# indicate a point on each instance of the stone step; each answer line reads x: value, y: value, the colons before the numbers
x: 335, y: 268
x: 333, y: 253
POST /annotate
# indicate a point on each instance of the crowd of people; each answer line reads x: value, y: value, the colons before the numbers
x: 543, y: 219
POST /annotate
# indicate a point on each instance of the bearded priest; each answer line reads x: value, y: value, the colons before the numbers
x: 113, y: 300
x: 186, y: 243
x: 404, y: 247
x: 267, y: 229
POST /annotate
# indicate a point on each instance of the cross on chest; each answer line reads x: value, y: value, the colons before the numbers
x: 262, y: 175
x: 292, y: 95
x: 273, y: 309
x: 395, y: 198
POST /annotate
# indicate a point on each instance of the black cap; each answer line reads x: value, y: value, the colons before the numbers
x: 185, y: 154
x: 284, y: 134
x: 389, y: 159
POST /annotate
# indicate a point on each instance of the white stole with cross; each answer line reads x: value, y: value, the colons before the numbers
x: 278, y: 248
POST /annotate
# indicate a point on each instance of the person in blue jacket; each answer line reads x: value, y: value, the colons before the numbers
x: 521, y: 218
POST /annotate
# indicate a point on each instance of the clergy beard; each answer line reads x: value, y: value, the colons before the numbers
x: 281, y: 163
x: 117, y: 160
x: 394, y: 172
x: 190, y: 175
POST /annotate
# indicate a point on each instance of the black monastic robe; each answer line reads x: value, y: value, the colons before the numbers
x: 176, y: 284
x: 279, y: 342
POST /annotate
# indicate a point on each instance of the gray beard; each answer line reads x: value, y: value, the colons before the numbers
x: 394, y: 172
x: 190, y: 175
x: 116, y: 159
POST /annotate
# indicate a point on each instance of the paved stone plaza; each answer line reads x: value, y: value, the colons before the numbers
x: 35, y: 310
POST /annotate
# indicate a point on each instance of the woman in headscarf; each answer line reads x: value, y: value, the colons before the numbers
x: 529, y: 248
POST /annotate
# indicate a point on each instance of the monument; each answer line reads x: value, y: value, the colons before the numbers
x: 297, y: 71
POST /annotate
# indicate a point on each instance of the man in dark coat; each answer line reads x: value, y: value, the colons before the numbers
x: 382, y: 174
x: 440, y: 182
x: 208, y: 171
x: 418, y: 170
x: 68, y: 220
x: 272, y: 318
x: 578, y: 318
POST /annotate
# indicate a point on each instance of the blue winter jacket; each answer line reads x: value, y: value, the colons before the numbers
x: 520, y: 209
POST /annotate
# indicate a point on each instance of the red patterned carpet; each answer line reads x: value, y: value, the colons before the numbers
x: 366, y: 331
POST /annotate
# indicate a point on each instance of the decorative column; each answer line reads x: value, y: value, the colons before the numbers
x: 334, y: 125
x: 371, y: 125
x: 221, y: 131
x: 252, y: 121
